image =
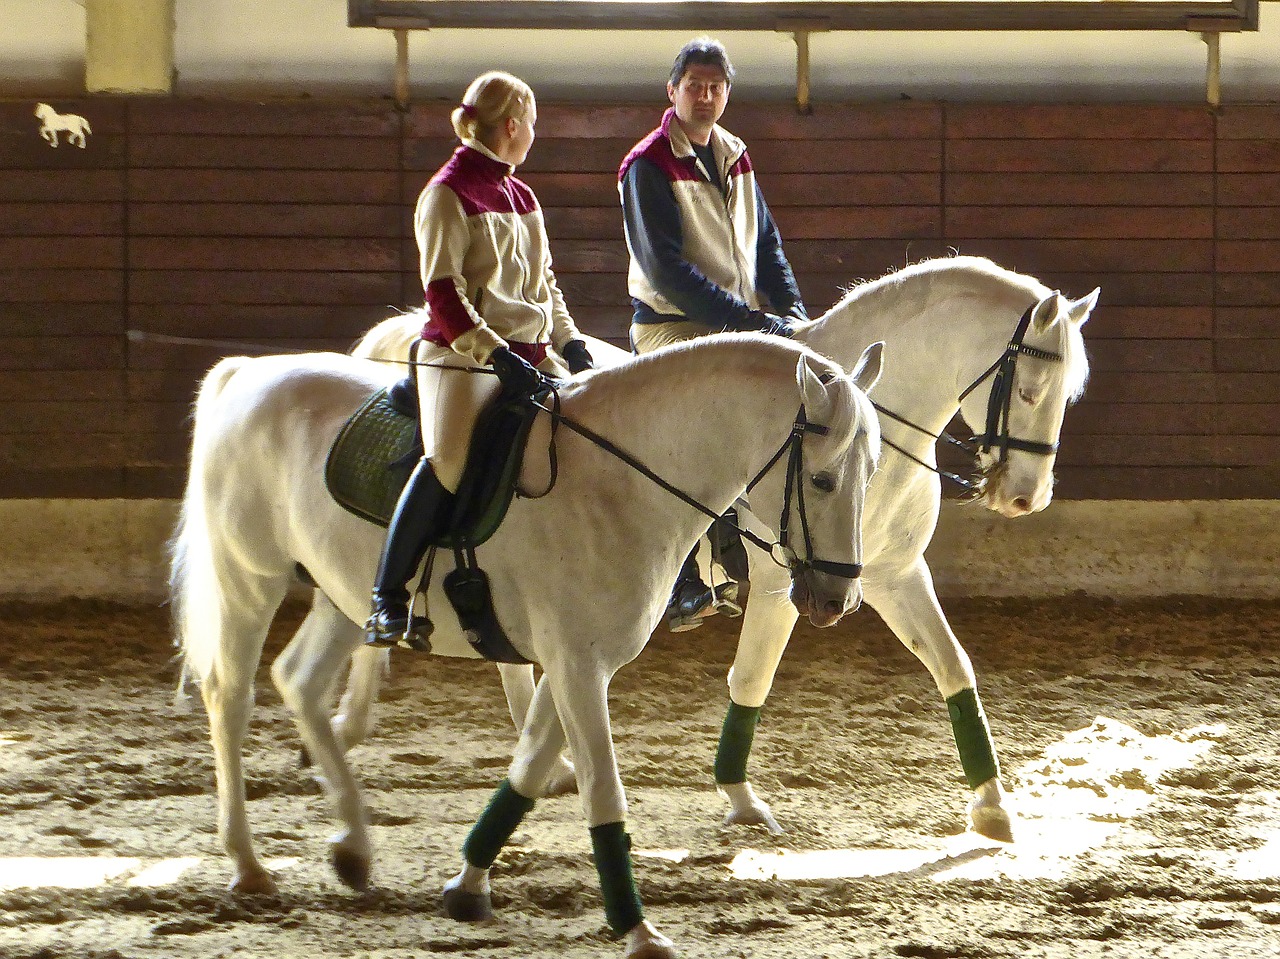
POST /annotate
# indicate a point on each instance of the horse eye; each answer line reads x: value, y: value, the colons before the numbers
x: 823, y: 481
x: 1029, y: 397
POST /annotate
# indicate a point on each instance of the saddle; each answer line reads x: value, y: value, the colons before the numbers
x: 370, y: 462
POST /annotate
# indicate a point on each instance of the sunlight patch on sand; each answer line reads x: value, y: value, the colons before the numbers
x: 1073, y: 799
x: 86, y: 872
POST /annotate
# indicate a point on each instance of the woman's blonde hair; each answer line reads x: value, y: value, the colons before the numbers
x: 492, y: 97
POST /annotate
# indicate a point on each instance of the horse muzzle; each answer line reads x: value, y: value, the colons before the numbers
x: 825, y: 599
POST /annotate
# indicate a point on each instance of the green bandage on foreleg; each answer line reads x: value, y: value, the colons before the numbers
x: 736, y: 736
x: 495, y: 826
x: 612, y: 848
x: 973, y: 737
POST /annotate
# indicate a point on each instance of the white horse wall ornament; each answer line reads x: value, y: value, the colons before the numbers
x: 51, y: 121
x: 706, y: 416
x: 947, y: 326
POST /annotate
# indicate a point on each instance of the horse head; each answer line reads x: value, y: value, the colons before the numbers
x: 825, y: 488
x: 44, y: 111
x: 1016, y: 409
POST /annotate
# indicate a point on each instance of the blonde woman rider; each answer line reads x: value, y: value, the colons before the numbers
x: 492, y: 301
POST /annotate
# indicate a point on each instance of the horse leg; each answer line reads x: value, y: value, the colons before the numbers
x: 304, y: 672
x: 766, y: 629
x: 909, y: 606
x: 517, y: 684
x: 228, y: 699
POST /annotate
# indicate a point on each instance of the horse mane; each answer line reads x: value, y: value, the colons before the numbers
x: 948, y: 276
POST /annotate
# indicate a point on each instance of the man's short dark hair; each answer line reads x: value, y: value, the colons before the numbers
x: 703, y: 51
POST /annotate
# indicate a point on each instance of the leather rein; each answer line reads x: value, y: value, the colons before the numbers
x: 996, y: 434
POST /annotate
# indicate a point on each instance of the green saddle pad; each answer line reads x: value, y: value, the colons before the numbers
x: 372, y: 457
x: 377, y: 449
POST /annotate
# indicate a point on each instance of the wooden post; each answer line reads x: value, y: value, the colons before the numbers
x: 402, y: 68
x: 128, y: 46
x: 1213, y: 69
x: 802, y: 72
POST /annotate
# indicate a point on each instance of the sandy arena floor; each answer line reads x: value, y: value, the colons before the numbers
x: 1142, y: 742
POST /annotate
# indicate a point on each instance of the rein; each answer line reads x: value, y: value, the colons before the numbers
x: 792, y: 445
x: 998, y: 405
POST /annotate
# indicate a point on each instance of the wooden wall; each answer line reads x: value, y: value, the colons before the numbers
x: 289, y: 223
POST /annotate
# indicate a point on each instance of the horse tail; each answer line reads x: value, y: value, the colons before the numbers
x: 194, y: 590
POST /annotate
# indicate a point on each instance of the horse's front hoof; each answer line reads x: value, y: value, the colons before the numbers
x: 993, y: 822
x: 352, y: 868
x: 645, y: 942
x: 563, y: 780
x: 466, y: 906
x: 748, y: 809
x: 256, y: 882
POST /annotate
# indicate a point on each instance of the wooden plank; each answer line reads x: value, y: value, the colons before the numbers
x: 1079, y: 189
x: 1093, y: 223
x: 583, y: 223
x: 62, y: 186
x: 73, y: 451
x: 1253, y: 223
x: 264, y: 153
x: 263, y: 287
x: 252, y: 322
x: 106, y: 115
x: 1245, y: 322
x: 1069, y: 121
x: 1244, y: 289
x: 61, y: 353
x: 61, y: 219
x: 162, y: 386
x: 1110, y: 257
x: 1141, y: 483
x: 1249, y: 356
x: 861, y: 189
x: 61, y: 286
x: 62, y: 253
x: 264, y: 219
x: 263, y: 253
x: 1113, y: 451
x: 54, y: 415
x: 1147, y: 419
x: 899, y: 155
x: 574, y: 189
x: 1249, y: 122
x: 1248, y: 156
x: 150, y: 356
x: 268, y: 119
x: 18, y: 385
x: 1248, y: 419
x: 263, y: 186
x: 853, y: 223
x: 1247, y: 256
x: 84, y: 483
x: 155, y: 482
x: 1137, y: 386
x: 1136, y: 322
x: 1248, y: 189
x: 836, y: 121
x: 1242, y: 450
x: 1181, y: 356
x: 1134, y: 289
x: 60, y: 319
x: 1079, y: 156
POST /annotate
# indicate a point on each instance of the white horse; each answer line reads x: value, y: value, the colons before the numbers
x: 707, y: 417
x: 51, y: 121
x: 947, y: 325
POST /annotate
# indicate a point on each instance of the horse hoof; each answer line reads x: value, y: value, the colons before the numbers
x: 255, y: 883
x: 758, y: 816
x: 466, y: 906
x: 645, y: 942
x: 352, y: 868
x: 563, y: 781
x: 991, y: 821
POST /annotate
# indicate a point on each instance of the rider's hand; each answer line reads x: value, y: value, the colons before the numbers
x: 515, y: 373
x: 772, y: 323
x: 577, y: 356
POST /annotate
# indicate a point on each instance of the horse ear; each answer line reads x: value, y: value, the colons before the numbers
x: 1046, y: 312
x: 866, y: 372
x: 1078, y: 310
x: 812, y: 378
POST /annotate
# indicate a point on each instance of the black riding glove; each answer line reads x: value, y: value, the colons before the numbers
x: 577, y: 356
x: 515, y: 373
x: 772, y: 323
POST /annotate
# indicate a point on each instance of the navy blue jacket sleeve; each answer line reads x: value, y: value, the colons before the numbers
x: 773, y: 273
x: 653, y: 229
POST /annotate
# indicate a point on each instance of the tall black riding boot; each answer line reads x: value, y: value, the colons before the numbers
x: 690, y: 597
x: 418, y: 514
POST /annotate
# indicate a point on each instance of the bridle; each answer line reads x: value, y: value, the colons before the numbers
x: 792, y: 447
x: 999, y: 402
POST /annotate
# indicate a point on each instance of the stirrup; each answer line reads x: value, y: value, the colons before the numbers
x: 691, y: 602
x: 726, y: 600
x: 385, y: 630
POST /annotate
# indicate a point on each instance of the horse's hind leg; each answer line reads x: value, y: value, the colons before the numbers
x: 909, y: 606
x: 304, y: 673
x: 228, y: 698
x: 517, y: 684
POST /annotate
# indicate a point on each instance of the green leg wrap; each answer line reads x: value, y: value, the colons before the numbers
x: 973, y: 737
x: 735, y: 743
x: 495, y: 826
x: 612, y: 848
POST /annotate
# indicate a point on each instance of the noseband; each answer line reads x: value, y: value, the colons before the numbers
x: 1001, y: 398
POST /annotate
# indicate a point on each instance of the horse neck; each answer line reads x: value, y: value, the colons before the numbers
x: 705, y: 418
x: 941, y: 331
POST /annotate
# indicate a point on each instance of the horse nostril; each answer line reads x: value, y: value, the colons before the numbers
x: 833, y: 607
x: 1023, y: 504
